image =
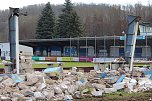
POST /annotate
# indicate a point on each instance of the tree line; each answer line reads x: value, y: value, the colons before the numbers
x: 67, y: 25
x: 96, y: 19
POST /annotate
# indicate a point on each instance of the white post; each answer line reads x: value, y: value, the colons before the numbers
x: 134, y: 44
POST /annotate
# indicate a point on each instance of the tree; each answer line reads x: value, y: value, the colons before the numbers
x: 68, y: 24
x: 46, y: 24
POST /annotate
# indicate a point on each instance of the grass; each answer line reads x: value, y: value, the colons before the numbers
x: 67, y: 65
x: 120, y: 96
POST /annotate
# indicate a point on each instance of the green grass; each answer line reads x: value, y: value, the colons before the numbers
x: 67, y: 65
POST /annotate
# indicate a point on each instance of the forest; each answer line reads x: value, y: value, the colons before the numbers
x: 97, y: 20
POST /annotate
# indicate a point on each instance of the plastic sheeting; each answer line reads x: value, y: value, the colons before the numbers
x: 16, y: 78
x: 54, y: 69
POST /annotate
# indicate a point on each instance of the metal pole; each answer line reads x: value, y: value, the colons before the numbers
x: 14, y: 37
x: 146, y: 44
x: 78, y: 46
x: 95, y: 49
x: 70, y: 48
x: 114, y: 46
x: 104, y: 49
x: 86, y: 50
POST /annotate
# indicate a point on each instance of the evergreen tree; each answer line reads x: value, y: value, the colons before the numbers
x: 46, y: 24
x: 68, y: 24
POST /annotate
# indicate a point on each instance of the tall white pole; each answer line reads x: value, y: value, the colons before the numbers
x: 134, y: 45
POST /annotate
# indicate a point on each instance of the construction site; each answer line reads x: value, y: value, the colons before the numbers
x: 120, y: 70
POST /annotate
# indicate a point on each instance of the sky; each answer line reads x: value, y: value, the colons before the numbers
x: 5, y: 4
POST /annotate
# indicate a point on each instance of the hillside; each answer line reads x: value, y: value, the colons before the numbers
x: 97, y: 20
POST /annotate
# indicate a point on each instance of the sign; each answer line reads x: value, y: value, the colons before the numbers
x: 138, y: 37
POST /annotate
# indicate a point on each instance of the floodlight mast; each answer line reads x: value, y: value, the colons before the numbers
x: 131, y: 39
x: 14, y: 37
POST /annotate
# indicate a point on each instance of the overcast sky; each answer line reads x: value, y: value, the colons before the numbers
x: 5, y: 4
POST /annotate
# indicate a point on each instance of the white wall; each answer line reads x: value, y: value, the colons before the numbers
x: 5, y: 50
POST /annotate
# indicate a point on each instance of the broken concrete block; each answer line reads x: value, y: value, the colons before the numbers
x: 72, y: 89
x: 39, y: 95
x: 33, y: 88
x: 42, y: 86
x: 1, y: 78
x: 57, y: 90
x: 119, y: 86
x: 31, y: 82
x: 98, y: 86
x: 63, y: 87
x: 110, y: 90
x: 14, y: 99
x: 49, y: 81
x: 17, y: 95
x: 97, y: 93
x: 126, y: 79
x: 68, y: 97
x: 8, y: 82
x: 22, y: 86
x: 77, y: 94
x: 133, y: 81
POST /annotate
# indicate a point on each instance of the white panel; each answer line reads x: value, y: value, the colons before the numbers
x: 59, y: 58
x: 41, y: 58
x: 114, y: 51
x: 75, y: 58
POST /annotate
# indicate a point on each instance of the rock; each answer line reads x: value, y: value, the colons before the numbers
x: 77, y: 94
x: 14, y: 99
x: 133, y: 81
x: 39, y: 95
x: 22, y: 86
x: 8, y: 82
x: 49, y: 81
x: 85, y: 91
x: 63, y: 87
x: 31, y: 79
x: 72, y: 89
x: 33, y: 88
x: 119, y: 86
x: 98, y: 86
x: 57, y: 90
x: 97, y: 93
x: 17, y: 95
x: 110, y: 90
x: 28, y: 93
x: 68, y: 97
x: 42, y: 86
x: 1, y: 78
x: 59, y: 97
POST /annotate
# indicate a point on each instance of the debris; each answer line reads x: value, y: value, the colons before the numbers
x: 68, y: 97
x: 121, y: 79
x: 39, y: 95
x: 38, y: 85
x: 16, y: 78
x: 110, y: 90
x: 8, y: 82
x: 119, y: 86
x: 97, y: 93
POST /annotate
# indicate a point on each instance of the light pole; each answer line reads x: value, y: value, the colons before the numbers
x: 124, y: 42
x: 145, y: 24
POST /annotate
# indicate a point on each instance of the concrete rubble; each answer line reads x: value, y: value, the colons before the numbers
x: 38, y: 85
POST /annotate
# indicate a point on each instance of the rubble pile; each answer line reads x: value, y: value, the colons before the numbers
x: 38, y: 85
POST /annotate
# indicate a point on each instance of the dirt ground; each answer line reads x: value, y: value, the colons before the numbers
x: 141, y: 96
